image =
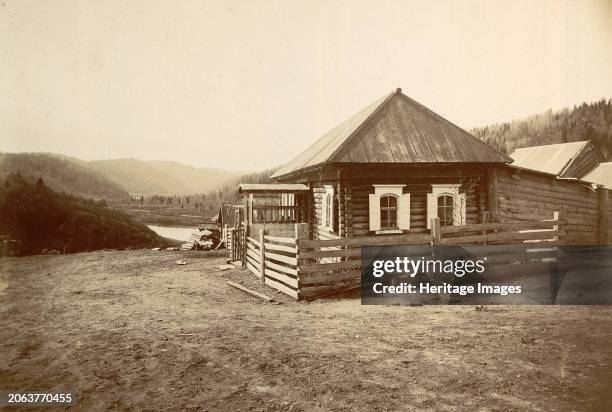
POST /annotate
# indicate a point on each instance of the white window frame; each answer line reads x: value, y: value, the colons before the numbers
x: 459, y: 203
x: 403, y: 208
x: 328, y: 202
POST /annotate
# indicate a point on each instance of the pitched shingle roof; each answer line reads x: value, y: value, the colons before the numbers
x: 394, y: 129
x: 602, y: 175
x: 552, y: 158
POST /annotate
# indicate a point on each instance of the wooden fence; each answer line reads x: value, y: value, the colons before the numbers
x: 304, y: 269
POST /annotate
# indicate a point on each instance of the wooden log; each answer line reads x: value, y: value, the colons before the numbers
x: 508, y: 187
x: 250, y: 291
x: 544, y: 197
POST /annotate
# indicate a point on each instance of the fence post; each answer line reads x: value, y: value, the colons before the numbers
x: 301, y: 233
x: 435, y: 231
x: 492, y: 195
x: 486, y: 218
x: 603, y: 215
x: 244, y: 247
x: 556, y: 216
x: 262, y: 256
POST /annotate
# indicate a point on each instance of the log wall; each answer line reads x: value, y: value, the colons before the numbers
x: 418, y: 189
x: 525, y: 194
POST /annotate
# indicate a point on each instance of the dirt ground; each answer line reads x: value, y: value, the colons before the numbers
x: 134, y: 331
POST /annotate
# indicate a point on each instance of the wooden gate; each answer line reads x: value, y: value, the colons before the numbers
x: 238, y: 244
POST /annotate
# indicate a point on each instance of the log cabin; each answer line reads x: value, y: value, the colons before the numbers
x: 389, y: 169
x: 393, y: 166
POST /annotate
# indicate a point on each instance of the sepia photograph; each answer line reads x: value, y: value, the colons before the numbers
x: 266, y: 205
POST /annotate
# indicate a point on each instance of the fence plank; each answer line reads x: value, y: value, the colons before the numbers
x: 288, y: 280
x: 510, y: 236
x: 280, y: 268
x: 280, y: 248
x: 288, y: 240
x: 253, y: 255
x: 326, y: 267
x: 280, y: 287
x: 539, y: 224
x: 354, y: 252
x: 323, y: 278
x: 412, y: 239
x: 252, y: 268
x: 253, y: 248
x: 286, y: 259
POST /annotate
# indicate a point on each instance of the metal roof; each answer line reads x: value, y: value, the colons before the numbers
x: 552, y: 158
x: 394, y: 129
x: 271, y: 187
x: 602, y: 175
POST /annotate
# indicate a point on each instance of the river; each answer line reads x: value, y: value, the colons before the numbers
x: 177, y: 233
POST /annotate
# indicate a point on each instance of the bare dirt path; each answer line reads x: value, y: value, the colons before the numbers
x: 133, y: 331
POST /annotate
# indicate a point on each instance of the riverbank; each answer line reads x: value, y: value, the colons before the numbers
x: 165, y: 215
x: 133, y: 330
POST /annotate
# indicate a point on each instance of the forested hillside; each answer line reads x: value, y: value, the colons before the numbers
x: 61, y: 174
x: 148, y: 178
x: 40, y: 218
x: 589, y: 121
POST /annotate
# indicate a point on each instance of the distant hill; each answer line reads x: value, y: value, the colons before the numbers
x: 62, y: 174
x: 147, y: 178
x: 228, y: 192
x: 41, y: 218
x: 589, y: 121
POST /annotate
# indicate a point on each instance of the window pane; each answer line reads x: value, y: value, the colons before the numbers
x: 392, y: 201
x: 445, y: 210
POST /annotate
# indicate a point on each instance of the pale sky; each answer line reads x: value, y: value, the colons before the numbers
x: 246, y: 85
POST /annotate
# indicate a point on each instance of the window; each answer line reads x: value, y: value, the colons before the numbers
x: 446, y: 203
x: 327, y: 218
x: 328, y: 209
x: 389, y: 209
x: 445, y: 209
x: 388, y: 212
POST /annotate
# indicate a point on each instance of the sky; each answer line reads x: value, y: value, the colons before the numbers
x: 247, y: 85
